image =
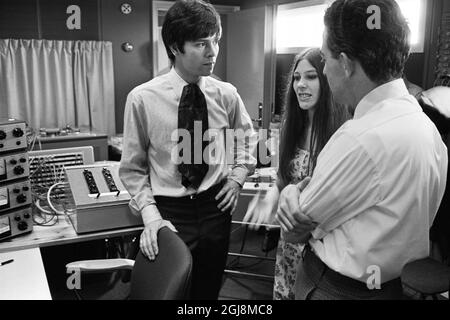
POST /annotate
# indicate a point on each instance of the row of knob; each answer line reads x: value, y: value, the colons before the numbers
x: 17, y: 132
x: 24, y: 188
x: 17, y: 143
x: 14, y: 161
x: 26, y: 215
x: 89, y: 177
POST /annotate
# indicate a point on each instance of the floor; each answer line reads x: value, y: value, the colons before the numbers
x: 249, y: 287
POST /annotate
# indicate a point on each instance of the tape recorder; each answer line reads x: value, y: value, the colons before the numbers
x: 52, y: 132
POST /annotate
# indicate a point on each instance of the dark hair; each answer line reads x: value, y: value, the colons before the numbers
x: 382, y: 52
x: 189, y: 20
x: 328, y: 117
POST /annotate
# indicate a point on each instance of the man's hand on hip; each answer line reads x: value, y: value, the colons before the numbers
x: 230, y: 193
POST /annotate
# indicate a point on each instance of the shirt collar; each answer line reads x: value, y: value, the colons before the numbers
x: 393, y: 89
x: 179, y: 83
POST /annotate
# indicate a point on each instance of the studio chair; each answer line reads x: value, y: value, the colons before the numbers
x: 427, y: 277
x: 165, y: 278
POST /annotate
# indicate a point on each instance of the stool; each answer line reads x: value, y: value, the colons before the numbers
x: 426, y: 276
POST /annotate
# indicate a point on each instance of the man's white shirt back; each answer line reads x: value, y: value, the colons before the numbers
x: 377, y: 186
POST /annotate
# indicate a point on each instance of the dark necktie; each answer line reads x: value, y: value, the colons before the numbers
x: 193, y: 108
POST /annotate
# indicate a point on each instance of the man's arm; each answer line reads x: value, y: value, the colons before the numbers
x: 244, y: 161
x: 296, y: 226
x: 344, y: 184
x: 134, y: 167
x: 134, y: 173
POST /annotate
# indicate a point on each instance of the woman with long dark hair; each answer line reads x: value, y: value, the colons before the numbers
x: 310, y: 118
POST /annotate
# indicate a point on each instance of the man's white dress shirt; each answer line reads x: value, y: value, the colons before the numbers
x: 151, y: 119
x: 377, y: 186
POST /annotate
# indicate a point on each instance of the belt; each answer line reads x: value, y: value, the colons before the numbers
x: 207, y: 194
x: 318, y: 271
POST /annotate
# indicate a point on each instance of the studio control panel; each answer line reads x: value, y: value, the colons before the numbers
x: 14, y: 195
x: 15, y: 223
x: 12, y: 135
x: 14, y: 166
x: 15, y: 186
x: 100, y: 198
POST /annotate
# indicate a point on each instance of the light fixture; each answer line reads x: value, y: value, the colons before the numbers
x: 125, y: 8
x: 127, y: 47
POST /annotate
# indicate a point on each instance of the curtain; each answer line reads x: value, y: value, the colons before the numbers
x: 53, y: 83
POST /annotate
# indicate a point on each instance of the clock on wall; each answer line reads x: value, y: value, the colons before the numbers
x: 125, y: 8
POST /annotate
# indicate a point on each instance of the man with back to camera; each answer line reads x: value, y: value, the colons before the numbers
x: 194, y: 196
x: 368, y: 207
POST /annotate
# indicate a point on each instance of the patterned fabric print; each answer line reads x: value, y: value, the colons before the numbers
x: 299, y: 166
x: 288, y: 257
x: 288, y: 254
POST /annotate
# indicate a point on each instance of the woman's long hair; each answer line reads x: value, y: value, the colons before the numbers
x: 328, y: 117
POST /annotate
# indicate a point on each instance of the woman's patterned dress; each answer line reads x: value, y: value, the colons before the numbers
x: 288, y: 254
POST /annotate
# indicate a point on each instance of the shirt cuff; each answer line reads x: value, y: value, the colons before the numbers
x: 238, y: 174
x: 318, y: 233
x: 150, y: 213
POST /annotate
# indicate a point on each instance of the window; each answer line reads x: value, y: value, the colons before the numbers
x: 415, y: 12
x: 300, y: 25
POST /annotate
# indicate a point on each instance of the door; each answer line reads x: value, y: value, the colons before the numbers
x: 251, y: 59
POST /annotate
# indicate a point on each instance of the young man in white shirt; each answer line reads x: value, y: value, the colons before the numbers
x: 368, y: 207
x: 194, y: 197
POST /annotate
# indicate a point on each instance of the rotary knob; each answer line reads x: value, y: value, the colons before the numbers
x: 18, y: 170
x: 17, y: 132
x: 22, y: 225
x: 21, y: 198
x: 2, y: 134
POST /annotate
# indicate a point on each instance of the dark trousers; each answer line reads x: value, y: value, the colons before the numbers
x: 206, y: 231
x: 316, y: 281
